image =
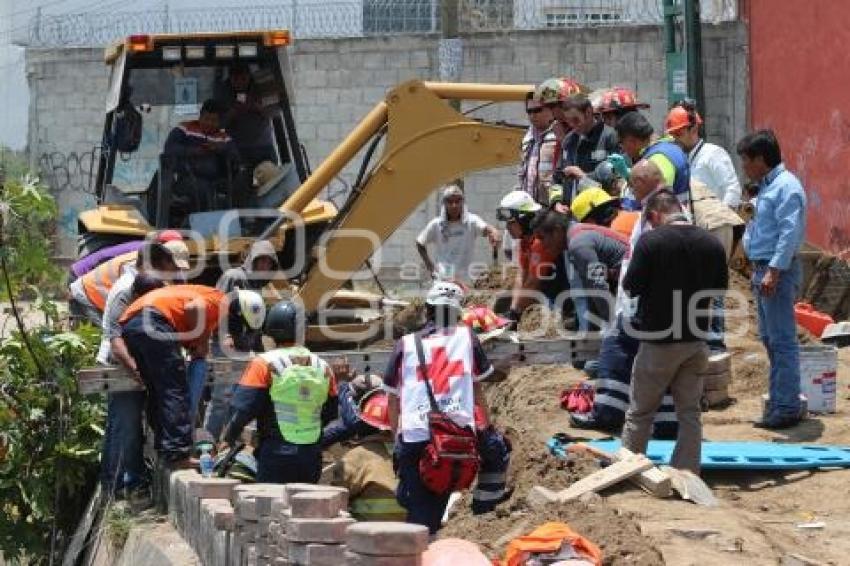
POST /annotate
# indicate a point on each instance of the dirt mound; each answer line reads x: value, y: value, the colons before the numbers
x: 500, y: 277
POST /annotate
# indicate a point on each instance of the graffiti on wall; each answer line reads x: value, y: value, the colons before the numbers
x: 73, y: 171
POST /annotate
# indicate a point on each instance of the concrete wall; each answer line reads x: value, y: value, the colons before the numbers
x: 812, y: 128
x: 338, y: 81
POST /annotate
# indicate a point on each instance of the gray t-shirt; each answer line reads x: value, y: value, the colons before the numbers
x: 594, y: 255
x: 117, y: 302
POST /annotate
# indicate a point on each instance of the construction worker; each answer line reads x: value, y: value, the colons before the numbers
x: 457, y: 367
x: 89, y: 292
x: 597, y: 206
x: 539, y: 152
x: 613, y: 103
x: 244, y: 120
x: 675, y: 269
x: 534, y: 276
x: 710, y: 164
x: 366, y: 470
x: 349, y: 423
x: 453, y: 235
x: 771, y: 242
x: 551, y: 93
x: 156, y: 327
x: 636, y: 139
x: 260, y: 267
x: 289, y: 391
x: 588, y: 144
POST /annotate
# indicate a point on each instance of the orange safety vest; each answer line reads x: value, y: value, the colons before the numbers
x: 548, y: 538
x: 625, y: 222
x: 98, y: 281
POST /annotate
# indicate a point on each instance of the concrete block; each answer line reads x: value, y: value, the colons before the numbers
x: 176, y: 486
x: 249, y: 555
x: 373, y: 61
x: 234, y: 554
x: 212, y: 488
x: 316, y: 504
x: 597, y: 53
x: 387, y: 538
x: 293, y: 489
x: 316, y: 554
x: 355, y: 559
x: 331, y: 531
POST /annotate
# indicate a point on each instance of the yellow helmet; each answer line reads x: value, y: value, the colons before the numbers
x: 587, y: 200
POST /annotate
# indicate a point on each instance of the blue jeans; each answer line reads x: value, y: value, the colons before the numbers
x: 196, y: 374
x: 778, y: 331
x: 423, y: 506
x: 717, y: 326
x: 121, y: 463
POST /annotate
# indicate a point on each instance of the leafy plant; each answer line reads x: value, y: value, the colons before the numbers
x: 49, y: 434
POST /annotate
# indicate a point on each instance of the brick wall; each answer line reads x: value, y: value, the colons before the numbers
x: 338, y: 81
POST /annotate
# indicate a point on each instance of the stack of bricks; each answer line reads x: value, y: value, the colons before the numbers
x: 716, y: 379
x: 315, y: 524
x: 258, y: 510
x: 385, y: 544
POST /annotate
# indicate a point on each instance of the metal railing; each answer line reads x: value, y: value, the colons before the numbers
x: 355, y: 18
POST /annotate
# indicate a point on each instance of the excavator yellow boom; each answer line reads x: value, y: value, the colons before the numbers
x: 428, y: 143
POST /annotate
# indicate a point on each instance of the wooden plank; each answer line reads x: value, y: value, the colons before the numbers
x: 653, y: 480
x: 597, y: 481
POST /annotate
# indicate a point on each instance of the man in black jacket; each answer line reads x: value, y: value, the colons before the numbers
x: 675, y: 270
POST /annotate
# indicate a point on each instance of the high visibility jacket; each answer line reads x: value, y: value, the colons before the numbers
x: 367, y: 472
x: 298, y: 393
x: 97, y: 282
x: 625, y: 222
x: 682, y: 180
x: 171, y: 302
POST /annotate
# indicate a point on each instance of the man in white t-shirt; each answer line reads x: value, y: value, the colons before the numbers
x: 710, y: 163
x: 452, y: 236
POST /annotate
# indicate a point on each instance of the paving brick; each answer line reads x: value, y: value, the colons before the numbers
x: 316, y: 504
x: 330, y: 531
x: 296, y: 488
x: 355, y: 559
x: 316, y: 554
x: 387, y: 538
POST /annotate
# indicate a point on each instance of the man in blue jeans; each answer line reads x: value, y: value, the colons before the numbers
x: 771, y: 242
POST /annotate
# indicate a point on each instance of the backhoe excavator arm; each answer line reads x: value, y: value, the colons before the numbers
x: 428, y: 143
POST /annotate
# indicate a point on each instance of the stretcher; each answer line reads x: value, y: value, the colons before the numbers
x: 507, y: 350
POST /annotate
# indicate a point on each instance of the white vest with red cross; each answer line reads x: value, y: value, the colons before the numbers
x: 448, y: 353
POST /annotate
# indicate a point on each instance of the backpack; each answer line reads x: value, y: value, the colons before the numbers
x: 126, y: 133
x: 450, y: 460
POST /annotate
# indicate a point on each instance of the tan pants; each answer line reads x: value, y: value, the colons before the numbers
x: 657, y: 367
x: 725, y: 234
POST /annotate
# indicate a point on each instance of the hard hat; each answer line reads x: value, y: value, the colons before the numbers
x: 179, y: 252
x: 282, y: 322
x: 445, y: 293
x: 516, y: 203
x: 615, y: 99
x: 168, y: 235
x: 484, y: 322
x: 587, y: 200
x: 554, y: 90
x: 680, y: 117
x: 252, y: 308
x: 605, y: 175
x: 374, y: 409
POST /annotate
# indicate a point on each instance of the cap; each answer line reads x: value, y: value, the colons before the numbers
x: 168, y: 235
x: 179, y: 252
x: 679, y: 118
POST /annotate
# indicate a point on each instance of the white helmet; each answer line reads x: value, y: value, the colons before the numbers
x: 515, y: 204
x: 445, y: 293
x: 252, y: 307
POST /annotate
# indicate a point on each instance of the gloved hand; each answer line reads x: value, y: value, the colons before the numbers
x: 620, y: 165
x: 556, y: 194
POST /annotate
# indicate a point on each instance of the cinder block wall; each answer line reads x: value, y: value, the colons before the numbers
x: 338, y: 81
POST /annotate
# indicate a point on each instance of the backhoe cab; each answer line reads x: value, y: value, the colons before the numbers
x: 163, y: 167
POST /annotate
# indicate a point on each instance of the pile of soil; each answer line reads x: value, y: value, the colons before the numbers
x: 540, y: 322
x: 499, y: 277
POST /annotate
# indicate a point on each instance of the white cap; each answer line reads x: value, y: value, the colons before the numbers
x: 179, y: 252
x: 445, y: 293
x: 519, y: 201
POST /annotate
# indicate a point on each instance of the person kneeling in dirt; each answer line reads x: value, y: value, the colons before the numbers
x: 674, y: 271
x: 290, y: 391
x: 366, y: 470
x: 434, y: 381
x: 350, y: 424
x: 538, y: 272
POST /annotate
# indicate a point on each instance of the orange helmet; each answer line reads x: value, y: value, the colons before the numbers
x: 680, y: 117
x: 374, y: 409
x: 615, y: 99
x: 554, y: 90
x: 483, y: 321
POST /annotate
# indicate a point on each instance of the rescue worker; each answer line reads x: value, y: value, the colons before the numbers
x: 538, y: 151
x: 710, y: 164
x: 289, y: 391
x: 551, y: 93
x: 156, y: 327
x: 636, y: 139
x: 536, y: 267
x: 613, y: 103
x: 453, y: 236
x: 366, y: 470
x: 349, y: 425
x: 260, y: 267
x: 90, y: 291
x: 457, y: 367
x: 596, y: 206
x: 588, y: 144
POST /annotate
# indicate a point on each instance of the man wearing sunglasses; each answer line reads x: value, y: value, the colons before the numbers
x: 539, y: 151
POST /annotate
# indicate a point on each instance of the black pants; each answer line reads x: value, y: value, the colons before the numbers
x: 282, y: 462
x: 163, y: 369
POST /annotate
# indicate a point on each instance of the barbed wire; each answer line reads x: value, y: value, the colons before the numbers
x: 356, y: 18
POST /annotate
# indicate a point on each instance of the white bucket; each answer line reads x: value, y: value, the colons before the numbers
x: 818, y: 367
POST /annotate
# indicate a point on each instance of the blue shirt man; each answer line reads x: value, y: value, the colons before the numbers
x: 771, y: 242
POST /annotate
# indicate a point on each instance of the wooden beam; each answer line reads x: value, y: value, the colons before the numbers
x: 597, y: 481
x: 654, y: 481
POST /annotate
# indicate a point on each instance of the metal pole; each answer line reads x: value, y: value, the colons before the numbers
x: 693, y: 43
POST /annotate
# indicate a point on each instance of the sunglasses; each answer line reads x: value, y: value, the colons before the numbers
x: 534, y: 110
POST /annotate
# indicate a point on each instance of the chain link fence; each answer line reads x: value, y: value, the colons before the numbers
x: 356, y: 18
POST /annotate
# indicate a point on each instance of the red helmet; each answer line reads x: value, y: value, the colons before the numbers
x: 168, y: 236
x: 556, y: 90
x: 374, y: 409
x: 615, y: 99
x: 483, y: 321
